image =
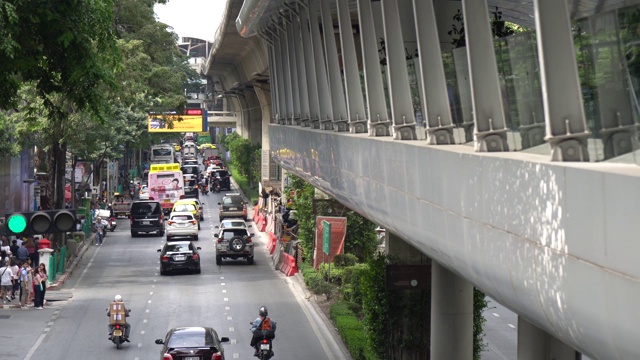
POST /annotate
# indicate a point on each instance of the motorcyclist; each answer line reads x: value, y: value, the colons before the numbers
x: 117, y: 300
x: 215, y: 185
x: 262, y: 327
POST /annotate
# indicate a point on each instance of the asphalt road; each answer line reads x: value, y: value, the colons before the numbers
x: 224, y: 297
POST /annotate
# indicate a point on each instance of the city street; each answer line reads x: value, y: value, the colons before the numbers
x: 224, y: 297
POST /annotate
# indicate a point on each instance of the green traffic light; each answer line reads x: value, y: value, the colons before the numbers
x: 17, y: 223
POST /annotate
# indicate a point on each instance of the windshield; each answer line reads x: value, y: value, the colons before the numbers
x: 190, y: 339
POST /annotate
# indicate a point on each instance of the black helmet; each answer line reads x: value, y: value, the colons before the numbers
x: 264, y: 311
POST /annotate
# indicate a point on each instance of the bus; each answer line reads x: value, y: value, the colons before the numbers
x: 166, y: 185
x: 162, y: 154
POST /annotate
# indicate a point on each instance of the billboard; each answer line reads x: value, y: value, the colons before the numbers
x: 191, y: 121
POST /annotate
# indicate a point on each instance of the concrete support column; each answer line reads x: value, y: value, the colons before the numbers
x: 536, y: 344
x: 353, y: 88
x: 301, y: 66
x: 339, y: 108
x: 292, y: 43
x: 451, y: 315
x: 309, y: 58
x: 563, y: 109
x: 488, y: 112
x: 379, y: 124
x: 263, y: 94
x: 324, y: 97
x: 435, y: 99
x: 404, y: 120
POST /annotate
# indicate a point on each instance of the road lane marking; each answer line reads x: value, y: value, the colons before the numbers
x: 146, y: 311
x: 223, y: 284
x: 151, y: 293
x: 144, y: 321
x: 142, y: 332
x: 229, y: 318
x: 227, y: 308
x: 35, y: 347
x: 224, y: 291
x: 496, y: 314
x: 511, y: 326
x: 231, y: 329
x: 84, y: 272
x: 226, y: 299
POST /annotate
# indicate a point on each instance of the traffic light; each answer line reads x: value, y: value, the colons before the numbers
x: 40, y: 222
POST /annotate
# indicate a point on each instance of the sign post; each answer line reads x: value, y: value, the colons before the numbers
x: 326, y: 242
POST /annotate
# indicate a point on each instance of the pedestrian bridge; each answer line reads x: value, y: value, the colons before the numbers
x: 515, y: 181
x: 223, y: 119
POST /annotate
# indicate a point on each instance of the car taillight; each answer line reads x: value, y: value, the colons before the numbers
x: 265, y: 341
x: 161, y: 217
x: 216, y: 356
x: 170, y: 222
x: 195, y: 257
x: 219, y: 240
x: 165, y: 258
x: 249, y: 241
x: 167, y: 357
x: 131, y: 221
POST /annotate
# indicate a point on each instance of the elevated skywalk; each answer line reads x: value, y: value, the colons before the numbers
x: 223, y: 118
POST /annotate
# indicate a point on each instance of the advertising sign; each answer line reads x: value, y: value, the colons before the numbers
x: 326, y: 236
x: 191, y: 121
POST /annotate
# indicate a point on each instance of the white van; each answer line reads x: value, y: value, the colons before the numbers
x: 189, y: 150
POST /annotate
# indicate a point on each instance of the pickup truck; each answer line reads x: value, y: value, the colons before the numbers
x: 121, y: 206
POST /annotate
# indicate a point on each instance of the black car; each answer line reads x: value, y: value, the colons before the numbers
x: 192, y: 343
x: 146, y: 217
x: 191, y: 187
x: 224, y: 177
x: 179, y: 255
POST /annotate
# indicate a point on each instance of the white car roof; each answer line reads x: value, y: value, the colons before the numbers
x: 181, y: 213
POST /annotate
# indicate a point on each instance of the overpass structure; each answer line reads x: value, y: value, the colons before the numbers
x: 510, y: 160
x: 222, y: 119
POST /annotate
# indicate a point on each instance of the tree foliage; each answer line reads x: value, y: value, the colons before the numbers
x: 245, y: 157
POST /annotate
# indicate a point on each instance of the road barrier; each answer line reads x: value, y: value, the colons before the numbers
x: 288, y: 265
x: 272, y: 243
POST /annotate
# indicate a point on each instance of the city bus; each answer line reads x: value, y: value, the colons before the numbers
x: 166, y: 184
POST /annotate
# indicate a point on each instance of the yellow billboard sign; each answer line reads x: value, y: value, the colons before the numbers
x: 172, y: 123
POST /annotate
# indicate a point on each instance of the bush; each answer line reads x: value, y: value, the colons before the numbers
x: 351, y: 330
x: 332, y: 275
x: 344, y: 260
x: 351, y: 276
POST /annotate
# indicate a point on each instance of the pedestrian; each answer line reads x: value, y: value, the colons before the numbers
x: 14, y: 247
x: 23, y: 253
x: 5, y: 245
x: 31, y: 247
x: 6, y: 282
x: 43, y: 272
x: 26, y: 284
x: 15, y: 268
x: 37, y: 289
x: 99, y: 230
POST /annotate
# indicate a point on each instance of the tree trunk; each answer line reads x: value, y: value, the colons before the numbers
x: 57, y: 165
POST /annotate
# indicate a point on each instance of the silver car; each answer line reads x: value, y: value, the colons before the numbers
x: 232, y: 206
x: 234, y: 243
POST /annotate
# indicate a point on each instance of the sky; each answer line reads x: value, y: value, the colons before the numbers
x: 192, y: 18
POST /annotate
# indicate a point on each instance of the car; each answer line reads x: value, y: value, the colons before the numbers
x: 233, y: 223
x: 190, y: 187
x: 192, y: 343
x: 232, y: 205
x: 211, y: 169
x: 144, y: 192
x: 146, y: 217
x: 186, y: 206
x: 225, y: 179
x: 199, y: 209
x: 234, y: 243
x: 182, y: 224
x: 179, y: 255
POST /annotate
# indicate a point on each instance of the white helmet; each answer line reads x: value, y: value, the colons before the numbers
x: 118, y: 298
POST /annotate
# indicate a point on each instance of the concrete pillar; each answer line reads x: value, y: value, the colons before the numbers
x: 339, y: 108
x: 376, y: 103
x: 563, y: 109
x: 435, y: 100
x: 536, y: 344
x: 488, y: 112
x: 404, y: 120
x: 451, y: 315
x: 263, y: 95
x: 324, y: 97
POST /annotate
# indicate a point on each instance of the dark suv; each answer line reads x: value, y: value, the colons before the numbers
x: 146, y: 216
x: 234, y: 243
x: 232, y: 205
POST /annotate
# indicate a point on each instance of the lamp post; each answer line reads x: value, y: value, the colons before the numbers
x: 35, y: 202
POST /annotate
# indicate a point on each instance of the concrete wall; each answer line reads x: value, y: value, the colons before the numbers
x: 555, y: 242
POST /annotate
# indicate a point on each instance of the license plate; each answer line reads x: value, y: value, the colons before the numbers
x: 179, y: 257
x: 117, y: 333
x: 192, y: 358
x: 146, y: 222
x: 167, y: 200
x: 264, y: 346
x: 233, y: 209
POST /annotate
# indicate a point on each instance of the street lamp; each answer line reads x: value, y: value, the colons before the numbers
x: 35, y: 202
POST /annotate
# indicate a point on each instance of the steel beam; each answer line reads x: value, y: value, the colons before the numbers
x: 324, y: 98
x: 339, y: 108
x: 292, y: 44
x: 302, y: 72
x: 309, y: 58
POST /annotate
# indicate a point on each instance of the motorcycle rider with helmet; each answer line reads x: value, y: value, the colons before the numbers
x: 127, y: 327
x: 262, y: 327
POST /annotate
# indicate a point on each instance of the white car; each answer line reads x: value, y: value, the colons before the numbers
x: 182, y: 224
x: 144, y: 192
x: 233, y: 223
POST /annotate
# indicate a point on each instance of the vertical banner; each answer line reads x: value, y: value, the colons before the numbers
x: 337, y: 231
x: 326, y: 236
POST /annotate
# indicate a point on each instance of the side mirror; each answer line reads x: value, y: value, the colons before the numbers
x: 159, y: 341
x: 216, y: 227
x: 199, y: 248
x: 215, y: 235
x: 248, y: 226
x: 159, y: 250
x: 219, y: 204
x: 224, y: 339
x: 252, y: 235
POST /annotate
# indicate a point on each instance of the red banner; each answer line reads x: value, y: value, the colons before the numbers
x: 338, y: 234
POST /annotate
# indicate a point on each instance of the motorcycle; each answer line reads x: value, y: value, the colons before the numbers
x: 204, y: 189
x: 118, y: 335
x: 265, y: 352
x: 216, y: 186
x: 112, y: 224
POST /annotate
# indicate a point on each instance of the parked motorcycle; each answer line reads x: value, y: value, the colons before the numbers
x: 112, y: 224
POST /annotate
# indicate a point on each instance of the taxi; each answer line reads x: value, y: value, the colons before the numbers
x: 205, y: 146
x: 196, y: 207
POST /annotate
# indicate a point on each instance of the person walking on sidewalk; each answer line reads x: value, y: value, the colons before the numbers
x: 15, y: 269
x: 26, y: 284
x: 23, y: 253
x: 99, y: 230
x: 37, y: 287
x: 6, y: 282
x: 43, y: 273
